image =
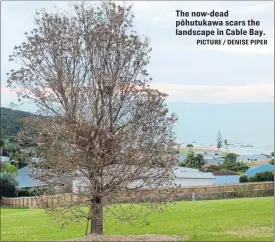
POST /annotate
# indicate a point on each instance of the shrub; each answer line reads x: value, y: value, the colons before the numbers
x: 26, y: 193
x: 182, y: 164
x: 251, y: 179
x: 230, y: 158
x: 264, y: 176
x: 243, y: 179
x: 8, y: 168
x: 7, y: 185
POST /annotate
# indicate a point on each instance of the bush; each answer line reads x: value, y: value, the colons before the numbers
x: 262, y: 176
x: 26, y: 193
x: 182, y: 164
x: 251, y: 179
x: 8, y: 185
x: 8, y: 168
x: 243, y: 179
x: 230, y: 158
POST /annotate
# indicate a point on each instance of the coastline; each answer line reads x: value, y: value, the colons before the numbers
x: 237, y: 149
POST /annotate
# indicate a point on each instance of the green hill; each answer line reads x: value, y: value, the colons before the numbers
x: 10, y: 121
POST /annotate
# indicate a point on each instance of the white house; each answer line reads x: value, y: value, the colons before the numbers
x: 192, y: 177
x: 183, y: 176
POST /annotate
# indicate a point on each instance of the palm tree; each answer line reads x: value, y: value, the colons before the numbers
x: 219, y: 141
x: 194, y: 161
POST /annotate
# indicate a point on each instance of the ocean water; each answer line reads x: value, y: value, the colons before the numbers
x: 240, y: 124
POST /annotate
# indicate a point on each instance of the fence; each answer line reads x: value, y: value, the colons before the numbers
x: 184, y: 193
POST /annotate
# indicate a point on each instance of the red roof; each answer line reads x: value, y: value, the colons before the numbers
x: 210, y: 164
x: 224, y: 173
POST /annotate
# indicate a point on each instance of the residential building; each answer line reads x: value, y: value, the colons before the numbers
x: 25, y: 179
x: 258, y: 169
x: 209, y: 164
x: 225, y: 177
x: 192, y: 177
x: 253, y: 158
x: 183, y: 176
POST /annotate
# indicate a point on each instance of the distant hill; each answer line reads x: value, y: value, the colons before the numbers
x: 10, y: 121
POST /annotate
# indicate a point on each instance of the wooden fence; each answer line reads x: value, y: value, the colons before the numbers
x: 184, y: 193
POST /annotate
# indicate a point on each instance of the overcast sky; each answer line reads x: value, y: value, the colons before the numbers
x: 189, y: 73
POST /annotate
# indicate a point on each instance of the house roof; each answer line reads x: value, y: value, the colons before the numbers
x: 209, y: 164
x: 25, y: 171
x: 179, y: 172
x: 255, y: 156
x: 224, y: 173
x: 189, y: 173
x: 261, y: 168
x: 27, y: 182
x: 25, y: 179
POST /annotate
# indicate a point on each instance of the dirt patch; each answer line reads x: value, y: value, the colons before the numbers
x: 255, y: 232
x: 122, y: 238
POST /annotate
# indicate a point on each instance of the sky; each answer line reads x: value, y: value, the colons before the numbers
x: 187, y: 72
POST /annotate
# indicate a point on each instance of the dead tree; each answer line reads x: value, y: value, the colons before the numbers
x: 105, y: 125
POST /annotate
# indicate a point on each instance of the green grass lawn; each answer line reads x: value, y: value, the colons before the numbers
x: 246, y: 219
x: 184, y: 151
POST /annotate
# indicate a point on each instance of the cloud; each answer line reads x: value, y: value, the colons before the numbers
x: 260, y: 92
x: 230, y: 73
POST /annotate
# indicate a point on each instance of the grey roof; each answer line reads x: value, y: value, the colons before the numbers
x: 184, y: 173
x: 25, y: 179
x: 27, y: 182
x: 26, y: 171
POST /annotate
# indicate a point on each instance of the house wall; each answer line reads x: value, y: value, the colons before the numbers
x: 193, y: 182
x: 229, y: 179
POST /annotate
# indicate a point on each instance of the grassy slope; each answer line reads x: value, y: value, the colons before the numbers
x: 202, y: 149
x: 247, y: 219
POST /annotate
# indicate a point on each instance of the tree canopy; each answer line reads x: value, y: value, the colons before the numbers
x: 86, y: 71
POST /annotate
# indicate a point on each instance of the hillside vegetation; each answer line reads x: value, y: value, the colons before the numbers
x: 10, y: 121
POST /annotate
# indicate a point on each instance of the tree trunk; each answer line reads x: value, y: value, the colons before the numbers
x: 97, y: 216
